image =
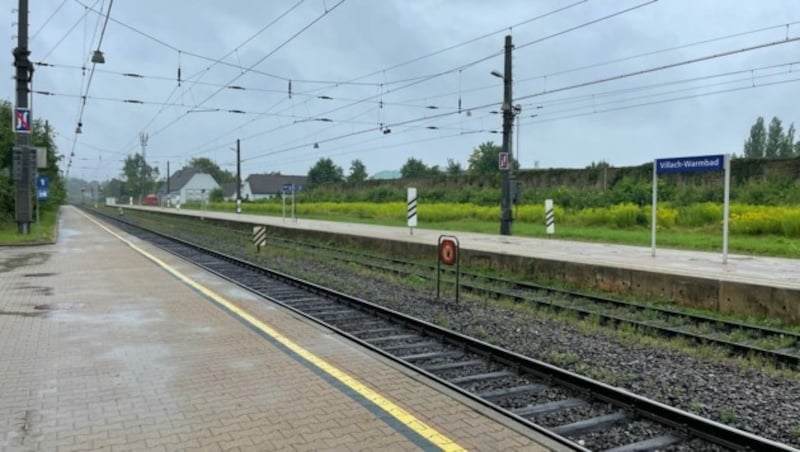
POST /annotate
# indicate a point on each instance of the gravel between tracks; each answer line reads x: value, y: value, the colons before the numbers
x: 745, y: 398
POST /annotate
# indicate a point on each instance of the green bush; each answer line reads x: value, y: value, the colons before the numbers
x: 698, y: 215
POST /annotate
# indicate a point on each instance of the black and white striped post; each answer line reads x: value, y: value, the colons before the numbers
x: 549, y: 217
x: 411, y: 212
x: 259, y: 237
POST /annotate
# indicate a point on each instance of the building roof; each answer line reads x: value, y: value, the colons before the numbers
x: 178, y: 179
x: 229, y: 189
x: 385, y: 175
x: 271, y: 184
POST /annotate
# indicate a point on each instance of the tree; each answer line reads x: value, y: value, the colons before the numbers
x: 325, y: 172
x: 358, y: 172
x: 7, y: 138
x: 755, y: 145
x: 205, y: 165
x: 485, y: 159
x: 138, y: 174
x: 414, y: 168
x: 787, y: 146
x: 453, y: 167
x: 775, y: 138
x: 216, y: 195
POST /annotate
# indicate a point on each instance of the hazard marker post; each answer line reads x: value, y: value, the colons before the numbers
x: 259, y: 237
x: 448, y: 254
x: 411, y: 212
x: 549, y: 218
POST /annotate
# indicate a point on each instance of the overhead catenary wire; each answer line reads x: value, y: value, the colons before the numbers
x: 69, y: 31
x: 47, y: 21
x: 424, y: 78
x: 341, y: 98
x: 194, y: 78
x: 259, y: 61
x: 561, y: 89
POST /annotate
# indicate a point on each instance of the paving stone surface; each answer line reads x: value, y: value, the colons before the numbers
x: 101, y: 349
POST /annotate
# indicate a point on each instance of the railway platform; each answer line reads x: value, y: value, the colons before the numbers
x: 773, y: 272
x: 111, y: 344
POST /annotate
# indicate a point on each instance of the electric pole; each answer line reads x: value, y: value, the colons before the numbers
x: 506, y: 218
x: 23, y: 156
x: 143, y: 137
x: 167, y: 191
x: 238, y: 179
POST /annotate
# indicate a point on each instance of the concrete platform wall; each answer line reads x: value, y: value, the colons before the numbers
x: 725, y: 296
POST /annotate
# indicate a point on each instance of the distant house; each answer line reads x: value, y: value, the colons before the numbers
x: 188, y: 184
x: 265, y: 186
x: 229, y: 191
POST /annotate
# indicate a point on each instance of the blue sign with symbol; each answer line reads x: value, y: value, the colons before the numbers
x: 690, y: 164
x: 42, y: 188
x: 22, y: 120
x: 288, y: 188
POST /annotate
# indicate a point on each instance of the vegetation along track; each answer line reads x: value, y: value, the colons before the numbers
x: 582, y: 413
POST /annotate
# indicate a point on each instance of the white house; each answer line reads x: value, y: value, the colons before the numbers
x: 188, y: 184
x: 265, y: 186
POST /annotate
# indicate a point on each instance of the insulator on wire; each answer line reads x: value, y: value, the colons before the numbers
x: 290, y: 89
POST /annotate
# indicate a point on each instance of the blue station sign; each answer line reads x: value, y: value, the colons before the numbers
x: 690, y: 164
x: 42, y: 188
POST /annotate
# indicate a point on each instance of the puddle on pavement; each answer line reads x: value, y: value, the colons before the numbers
x: 39, y: 275
x: 22, y: 313
x: 68, y: 233
x: 36, y: 290
x: 128, y: 318
x: 23, y: 260
x: 42, y: 309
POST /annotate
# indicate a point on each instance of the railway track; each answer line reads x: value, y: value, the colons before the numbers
x: 778, y: 346
x: 582, y: 413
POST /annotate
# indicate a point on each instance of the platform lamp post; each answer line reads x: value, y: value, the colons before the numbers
x: 506, y: 218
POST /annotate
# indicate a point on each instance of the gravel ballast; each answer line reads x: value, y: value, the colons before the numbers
x: 743, y: 397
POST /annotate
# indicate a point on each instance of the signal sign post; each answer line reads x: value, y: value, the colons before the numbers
x: 288, y: 188
x: 448, y: 249
x: 703, y: 163
x: 22, y: 120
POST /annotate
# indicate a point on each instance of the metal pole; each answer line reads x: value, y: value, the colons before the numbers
x: 167, y: 191
x: 143, y: 137
x: 238, y: 179
x: 506, y: 218
x: 726, y: 207
x: 654, y: 208
x: 24, y: 75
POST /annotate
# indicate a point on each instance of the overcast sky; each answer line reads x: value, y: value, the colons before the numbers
x: 349, y: 83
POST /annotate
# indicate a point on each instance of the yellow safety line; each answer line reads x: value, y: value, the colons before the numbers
x: 399, y: 413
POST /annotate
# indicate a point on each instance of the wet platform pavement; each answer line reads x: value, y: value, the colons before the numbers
x: 108, y: 345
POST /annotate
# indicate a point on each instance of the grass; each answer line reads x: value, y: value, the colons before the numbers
x: 727, y: 415
x: 43, y: 232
